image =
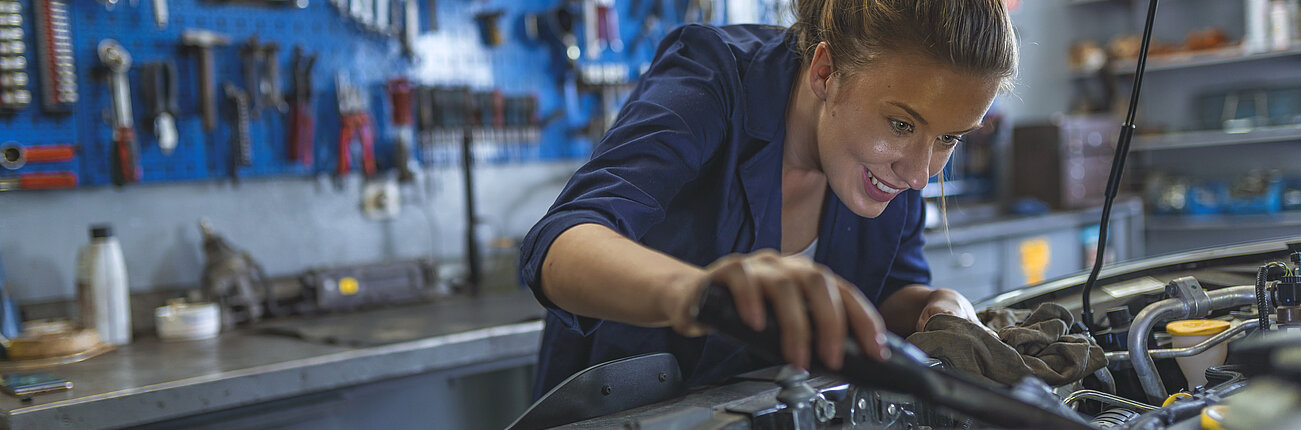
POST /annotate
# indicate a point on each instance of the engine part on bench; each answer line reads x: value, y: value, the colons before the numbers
x: 232, y: 279
x: 351, y: 287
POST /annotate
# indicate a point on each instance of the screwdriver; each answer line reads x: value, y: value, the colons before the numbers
x: 38, y: 181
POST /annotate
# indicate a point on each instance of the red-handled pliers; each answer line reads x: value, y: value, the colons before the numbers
x: 354, y: 122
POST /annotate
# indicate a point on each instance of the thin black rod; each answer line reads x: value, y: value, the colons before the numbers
x: 1117, y: 169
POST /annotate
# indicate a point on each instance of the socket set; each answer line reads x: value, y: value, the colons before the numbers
x: 54, y: 55
x: 13, y: 61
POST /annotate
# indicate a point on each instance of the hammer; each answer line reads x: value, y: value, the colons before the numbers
x: 203, y: 41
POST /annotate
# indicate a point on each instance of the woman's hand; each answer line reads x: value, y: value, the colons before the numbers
x: 804, y: 296
x: 943, y: 301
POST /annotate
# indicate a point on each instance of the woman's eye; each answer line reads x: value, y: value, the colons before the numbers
x: 900, y: 126
x: 950, y: 140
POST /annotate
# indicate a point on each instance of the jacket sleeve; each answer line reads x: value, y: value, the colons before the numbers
x: 671, y: 126
x: 910, y: 265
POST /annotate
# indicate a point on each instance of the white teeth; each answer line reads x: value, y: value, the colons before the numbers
x: 881, y: 186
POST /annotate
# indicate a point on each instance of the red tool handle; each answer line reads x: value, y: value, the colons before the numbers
x: 47, y: 181
x: 400, y: 93
x: 50, y: 153
x: 125, y: 156
x: 301, y: 134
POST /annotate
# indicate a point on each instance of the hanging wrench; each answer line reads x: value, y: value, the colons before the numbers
x: 126, y: 162
x: 241, y: 147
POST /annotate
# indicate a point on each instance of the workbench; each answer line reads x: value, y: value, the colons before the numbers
x: 249, y: 379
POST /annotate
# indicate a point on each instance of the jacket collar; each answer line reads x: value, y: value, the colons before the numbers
x: 767, y: 85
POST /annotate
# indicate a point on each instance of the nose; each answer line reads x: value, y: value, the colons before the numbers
x: 914, y: 166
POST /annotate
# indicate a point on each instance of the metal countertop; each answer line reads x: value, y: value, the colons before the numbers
x: 150, y: 380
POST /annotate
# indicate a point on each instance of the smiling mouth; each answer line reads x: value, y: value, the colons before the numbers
x: 881, y: 185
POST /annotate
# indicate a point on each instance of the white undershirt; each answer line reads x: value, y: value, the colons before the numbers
x: 811, y: 250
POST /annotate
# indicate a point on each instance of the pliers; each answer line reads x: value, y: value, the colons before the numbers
x: 302, y: 127
x: 354, y: 120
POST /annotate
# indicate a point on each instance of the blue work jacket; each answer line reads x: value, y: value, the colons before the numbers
x: 692, y: 167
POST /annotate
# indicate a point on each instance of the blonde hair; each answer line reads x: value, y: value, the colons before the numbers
x: 973, y: 36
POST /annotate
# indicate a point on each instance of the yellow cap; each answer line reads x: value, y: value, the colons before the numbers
x: 1212, y: 416
x: 1196, y: 327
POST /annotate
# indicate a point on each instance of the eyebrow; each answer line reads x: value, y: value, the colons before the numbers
x: 922, y: 120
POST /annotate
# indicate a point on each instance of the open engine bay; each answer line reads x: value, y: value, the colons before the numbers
x: 1142, y: 386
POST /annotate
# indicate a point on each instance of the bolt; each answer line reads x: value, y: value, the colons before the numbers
x: 862, y: 404
x: 892, y: 410
x: 664, y: 376
x: 605, y: 390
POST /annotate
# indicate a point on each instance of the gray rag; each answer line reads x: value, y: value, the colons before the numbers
x: 1038, y: 346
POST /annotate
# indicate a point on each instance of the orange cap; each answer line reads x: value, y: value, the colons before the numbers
x: 1196, y: 327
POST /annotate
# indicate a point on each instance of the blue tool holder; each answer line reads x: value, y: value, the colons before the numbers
x: 517, y: 66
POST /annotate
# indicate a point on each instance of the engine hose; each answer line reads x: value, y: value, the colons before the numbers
x: 1113, y: 418
x: 1268, y: 272
x: 1185, y: 409
x: 1220, y: 375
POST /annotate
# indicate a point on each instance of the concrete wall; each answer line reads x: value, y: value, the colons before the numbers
x: 288, y: 224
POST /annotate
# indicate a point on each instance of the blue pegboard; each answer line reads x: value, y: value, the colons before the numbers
x: 451, y: 54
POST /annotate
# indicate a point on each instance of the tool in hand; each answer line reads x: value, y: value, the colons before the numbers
x: 302, y: 127
x: 608, y: 25
x: 203, y: 41
x: 241, y: 143
x: 399, y: 91
x: 38, y: 181
x: 58, y: 74
x: 158, y: 82
x: 126, y: 152
x: 14, y: 156
x: 904, y: 372
x: 354, y: 121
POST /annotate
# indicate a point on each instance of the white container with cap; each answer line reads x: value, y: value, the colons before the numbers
x: 102, y: 289
x: 1188, y: 333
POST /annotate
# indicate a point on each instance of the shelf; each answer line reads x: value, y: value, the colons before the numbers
x: 1229, y: 55
x: 1224, y: 221
x: 1200, y: 139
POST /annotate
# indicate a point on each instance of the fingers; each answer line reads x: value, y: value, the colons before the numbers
x: 805, y: 297
x: 869, y: 327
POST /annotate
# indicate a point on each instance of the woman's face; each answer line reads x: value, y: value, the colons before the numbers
x: 893, y: 125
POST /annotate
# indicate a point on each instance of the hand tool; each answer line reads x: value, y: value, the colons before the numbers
x: 383, y: 11
x: 58, y: 73
x: 158, y: 82
x: 126, y: 152
x: 251, y: 54
x: 301, y: 124
x: 38, y: 181
x: 160, y: 13
x: 202, y: 42
x: 489, y: 28
x: 354, y: 121
x: 904, y: 371
x: 241, y: 148
x: 590, y: 31
x: 14, y: 156
x: 13, y: 65
x: 608, y: 25
x: 411, y: 26
x: 269, y: 89
x: 400, y: 94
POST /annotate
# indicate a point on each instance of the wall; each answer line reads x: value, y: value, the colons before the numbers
x: 287, y: 224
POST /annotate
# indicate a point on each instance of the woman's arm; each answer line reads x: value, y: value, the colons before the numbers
x: 907, y: 310
x: 594, y: 271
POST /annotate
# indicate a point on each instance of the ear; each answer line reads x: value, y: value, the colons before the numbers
x: 820, y: 70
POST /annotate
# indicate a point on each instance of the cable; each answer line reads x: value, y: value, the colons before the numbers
x: 1118, y: 167
x: 1268, y: 272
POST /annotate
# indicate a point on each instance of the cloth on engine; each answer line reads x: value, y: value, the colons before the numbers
x: 1039, y: 345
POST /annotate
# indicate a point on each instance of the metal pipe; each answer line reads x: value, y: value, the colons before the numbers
x: 1168, y: 310
x: 1109, y: 399
x: 1189, y: 351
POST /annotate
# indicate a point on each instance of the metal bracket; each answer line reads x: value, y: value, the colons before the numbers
x: 1188, y: 291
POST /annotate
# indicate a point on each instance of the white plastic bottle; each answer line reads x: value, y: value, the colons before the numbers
x: 102, y: 291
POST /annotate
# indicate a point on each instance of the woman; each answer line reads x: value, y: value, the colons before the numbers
x: 784, y: 164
